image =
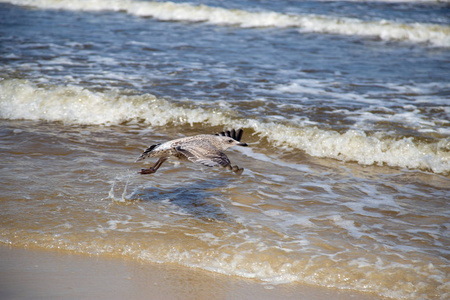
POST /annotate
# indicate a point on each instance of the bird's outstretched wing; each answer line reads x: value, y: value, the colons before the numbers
x: 235, y: 134
x: 208, y: 156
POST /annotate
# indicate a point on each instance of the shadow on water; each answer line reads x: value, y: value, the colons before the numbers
x: 198, y: 198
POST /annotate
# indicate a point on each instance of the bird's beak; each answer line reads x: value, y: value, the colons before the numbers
x: 242, y: 144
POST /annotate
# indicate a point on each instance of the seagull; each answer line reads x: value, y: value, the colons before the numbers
x: 205, y: 149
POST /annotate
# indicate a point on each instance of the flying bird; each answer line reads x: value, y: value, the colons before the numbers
x: 205, y: 149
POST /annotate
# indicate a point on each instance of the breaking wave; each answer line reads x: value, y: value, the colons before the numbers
x: 437, y: 35
x: 21, y: 99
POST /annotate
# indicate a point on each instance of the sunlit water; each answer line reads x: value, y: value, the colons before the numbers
x: 345, y: 107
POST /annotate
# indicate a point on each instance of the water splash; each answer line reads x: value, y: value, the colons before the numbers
x: 123, y: 198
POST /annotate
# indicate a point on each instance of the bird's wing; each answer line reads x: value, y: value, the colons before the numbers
x: 207, y: 155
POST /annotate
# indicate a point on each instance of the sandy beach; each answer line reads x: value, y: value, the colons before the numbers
x: 39, y: 274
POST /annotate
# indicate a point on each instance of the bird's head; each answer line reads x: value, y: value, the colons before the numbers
x: 225, y: 142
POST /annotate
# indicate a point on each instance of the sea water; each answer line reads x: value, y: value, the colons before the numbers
x: 345, y: 106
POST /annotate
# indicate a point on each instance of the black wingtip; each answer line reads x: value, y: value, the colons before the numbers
x: 239, y: 135
x: 234, y: 134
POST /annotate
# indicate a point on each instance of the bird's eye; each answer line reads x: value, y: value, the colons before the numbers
x: 230, y: 141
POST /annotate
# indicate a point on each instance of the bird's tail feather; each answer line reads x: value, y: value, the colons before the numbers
x: 146, y: 153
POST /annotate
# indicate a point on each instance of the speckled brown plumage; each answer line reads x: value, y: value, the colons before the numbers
x: 205, y: 149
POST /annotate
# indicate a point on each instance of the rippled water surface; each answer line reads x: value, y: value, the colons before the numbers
x: 345, y: 107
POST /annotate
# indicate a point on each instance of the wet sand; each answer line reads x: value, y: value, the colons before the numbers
x: 39, y: 274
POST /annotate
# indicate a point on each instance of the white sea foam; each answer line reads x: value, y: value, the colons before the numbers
x: 348, y: 225
x: 321, y: 89
x: 394, y: 1
x: 21, y: 99
x: 403, y: 107
x: 332, y: 89
x: 262, y: 157
x: 438, y: 35
x: 355, y: 145
x: 75, y: 105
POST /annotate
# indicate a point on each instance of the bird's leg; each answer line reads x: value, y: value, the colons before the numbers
x: 235, y: 169
x: 154, y: 168
x: 238, y: 170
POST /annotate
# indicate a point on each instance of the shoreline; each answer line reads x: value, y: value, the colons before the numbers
x: 41, y: 274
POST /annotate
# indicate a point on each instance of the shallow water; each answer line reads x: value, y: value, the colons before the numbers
x: 347, y: 174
